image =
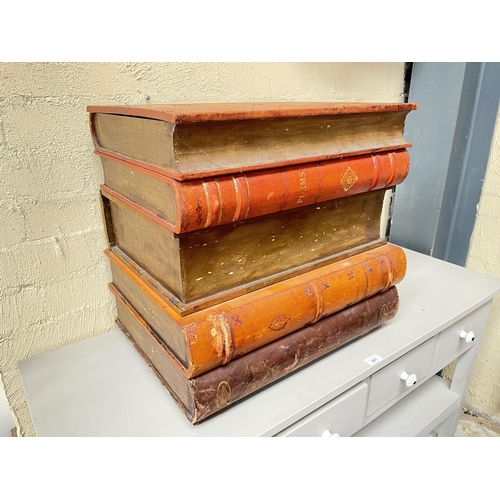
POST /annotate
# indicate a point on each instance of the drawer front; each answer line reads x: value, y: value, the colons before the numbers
x: 342, y: 416
x: 386, y: 384
x: 449, y: 341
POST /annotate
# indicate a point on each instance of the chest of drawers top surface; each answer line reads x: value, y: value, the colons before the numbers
x: 101, y: 379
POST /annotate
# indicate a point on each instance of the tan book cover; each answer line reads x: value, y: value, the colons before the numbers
x: 201, y: 268
x: 186, y: 141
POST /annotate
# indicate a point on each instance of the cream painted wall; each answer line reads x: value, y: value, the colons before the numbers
x: 484, y: 256
x: 53, y: 273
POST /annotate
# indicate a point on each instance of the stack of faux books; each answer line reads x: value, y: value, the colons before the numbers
x: 244, y: 239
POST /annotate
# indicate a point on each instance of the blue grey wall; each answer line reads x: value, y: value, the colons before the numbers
x: 434, y: 209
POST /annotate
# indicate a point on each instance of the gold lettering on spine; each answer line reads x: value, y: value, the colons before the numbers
x: 302, y: 186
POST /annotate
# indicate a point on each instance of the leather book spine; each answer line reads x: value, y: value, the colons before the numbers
x: 218, y: 334
x: 217, y: 389
x: 228, y: 199
x: 214, y: 201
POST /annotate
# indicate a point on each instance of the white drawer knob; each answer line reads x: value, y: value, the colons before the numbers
x: 409, y: 379
x: 468, y: 336
x: 328, y: 434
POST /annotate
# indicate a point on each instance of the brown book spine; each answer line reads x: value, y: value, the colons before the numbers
x: 197, y: 204
x: 211, y: 392
x: 213, y: 336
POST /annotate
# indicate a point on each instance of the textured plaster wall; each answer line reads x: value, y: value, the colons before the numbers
x: 484, y: 256
x: 53, y: 274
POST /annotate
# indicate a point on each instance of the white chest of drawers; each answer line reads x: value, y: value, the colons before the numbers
x: 101, y: 386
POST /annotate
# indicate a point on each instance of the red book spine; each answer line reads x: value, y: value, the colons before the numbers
x: 242, y: 196
x: 213, y: 201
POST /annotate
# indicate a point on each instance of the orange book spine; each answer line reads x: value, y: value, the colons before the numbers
x: 213, y: 201
x: 219, y: 333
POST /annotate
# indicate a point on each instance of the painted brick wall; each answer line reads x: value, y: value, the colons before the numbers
x: 484, y: 256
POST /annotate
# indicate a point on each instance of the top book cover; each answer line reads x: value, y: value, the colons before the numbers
x: 188, y: 141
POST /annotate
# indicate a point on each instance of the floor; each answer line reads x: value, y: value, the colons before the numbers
x: 470, y: 426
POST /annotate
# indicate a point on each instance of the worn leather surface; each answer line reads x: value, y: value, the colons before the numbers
x: 215, y: 390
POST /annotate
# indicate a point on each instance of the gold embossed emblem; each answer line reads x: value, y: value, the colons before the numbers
x: 223, y: 394
x: 384, y: 312
x: 279, y: 323
x: 348, y: 179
